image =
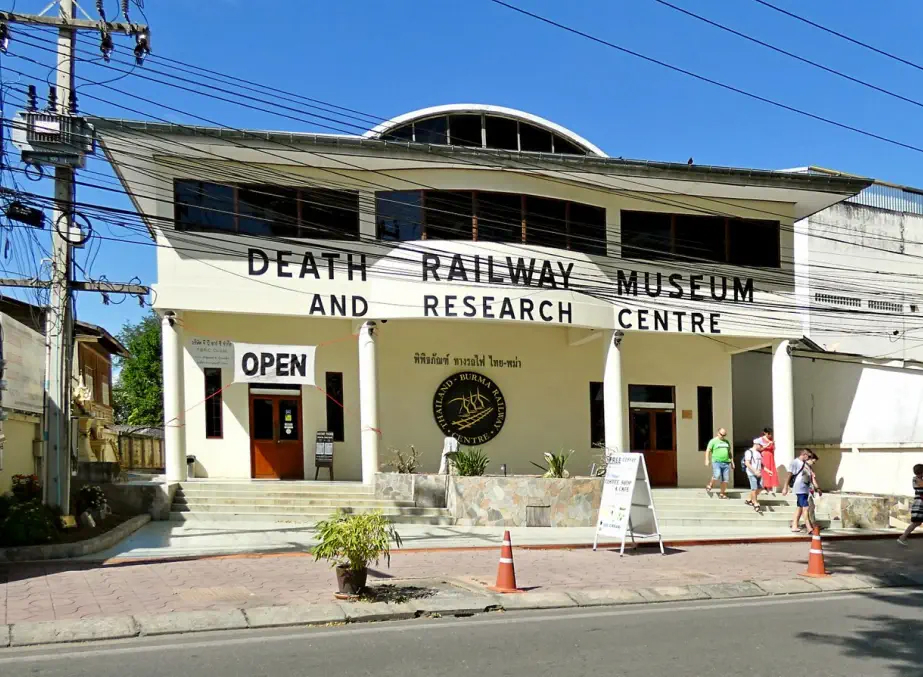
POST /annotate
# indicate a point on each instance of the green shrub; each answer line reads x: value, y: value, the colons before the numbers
x: 556, y: 464
x: 29, y: 523
x: 356, y: 540
x: 471, y: 462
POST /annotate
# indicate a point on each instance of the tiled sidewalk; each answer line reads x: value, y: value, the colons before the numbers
x: 68, y: 590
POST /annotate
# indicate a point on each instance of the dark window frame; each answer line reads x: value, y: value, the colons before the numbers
x: 597, y: 415
x: 574, y: 239
x: 214, y: 409
x: 335, y: 414
x: 673, y: 250
x: 344, y: 202
x: 705, y: 415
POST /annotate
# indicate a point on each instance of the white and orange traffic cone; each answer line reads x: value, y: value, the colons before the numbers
x: 506, y: 573
x: 816, y: 557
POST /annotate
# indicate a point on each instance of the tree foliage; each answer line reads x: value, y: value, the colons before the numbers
x: 138, y: 394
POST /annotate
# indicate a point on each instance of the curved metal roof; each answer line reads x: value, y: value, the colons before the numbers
x: 500, y: 111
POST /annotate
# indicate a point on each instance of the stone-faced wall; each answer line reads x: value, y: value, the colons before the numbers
x: 426, y: 491
x: 517, y: 501
x: 394, y: 486
x: 524, y: 501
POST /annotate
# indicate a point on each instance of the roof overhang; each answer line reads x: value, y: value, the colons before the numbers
x: 128, y: 142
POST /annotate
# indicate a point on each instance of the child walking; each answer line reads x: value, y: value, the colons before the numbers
x: 916, y: 510
x: 753, y: 461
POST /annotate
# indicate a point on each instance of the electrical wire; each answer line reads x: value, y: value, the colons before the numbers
x: 711, y: 81
x: 779, y: 50
x: 838, y: 34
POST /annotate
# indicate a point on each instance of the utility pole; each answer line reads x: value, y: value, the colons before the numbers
x: 61, y: 138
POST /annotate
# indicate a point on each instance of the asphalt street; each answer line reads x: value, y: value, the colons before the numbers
x: 874, y: 633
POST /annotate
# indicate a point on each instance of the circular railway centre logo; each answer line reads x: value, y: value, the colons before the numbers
x: 470, y: 407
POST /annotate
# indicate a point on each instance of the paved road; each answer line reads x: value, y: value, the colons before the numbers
x: 833, y: 635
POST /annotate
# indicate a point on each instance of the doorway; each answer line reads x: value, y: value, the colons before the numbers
x: 652, y: 431
x: 276, y: 447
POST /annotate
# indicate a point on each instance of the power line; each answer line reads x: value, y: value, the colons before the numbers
x: 838, y: 34
x: 792, y: 55
x: 711, y: 81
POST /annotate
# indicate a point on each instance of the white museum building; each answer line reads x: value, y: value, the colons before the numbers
x: 468, y: 271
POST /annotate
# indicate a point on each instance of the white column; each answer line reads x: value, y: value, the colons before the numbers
x: 613, y: 403
x: 368, y: 400
x: 783, y: 402
x: 174, y: 433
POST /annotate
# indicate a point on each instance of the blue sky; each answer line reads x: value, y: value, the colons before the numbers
x: 388, y: 58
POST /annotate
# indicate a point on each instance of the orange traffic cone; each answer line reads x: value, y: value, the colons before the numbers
x: 816, y: 558
x: 506, y: 574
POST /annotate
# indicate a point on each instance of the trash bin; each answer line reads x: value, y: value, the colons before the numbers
x: 190, y: 467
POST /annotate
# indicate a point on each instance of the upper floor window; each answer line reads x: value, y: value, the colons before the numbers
x: 267, y: 211
x: 685, y: 237
x: 491, y: 217
x: 96, y: 372
x: 483, y: 131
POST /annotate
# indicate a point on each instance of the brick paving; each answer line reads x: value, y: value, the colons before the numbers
x: 69, y: 590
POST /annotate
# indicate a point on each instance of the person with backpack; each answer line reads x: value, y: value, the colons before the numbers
x: 802, y: 480
x: 753, y: 462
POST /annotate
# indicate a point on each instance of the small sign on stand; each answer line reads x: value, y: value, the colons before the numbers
x: 626, y: 508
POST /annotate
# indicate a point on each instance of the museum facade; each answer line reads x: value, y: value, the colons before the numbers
x: 465, y: 270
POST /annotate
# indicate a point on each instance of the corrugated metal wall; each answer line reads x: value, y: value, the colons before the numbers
x: 891, y: 198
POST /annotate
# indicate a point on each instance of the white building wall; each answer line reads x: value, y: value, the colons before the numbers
x: 864, y: 419
x: 865, y: 255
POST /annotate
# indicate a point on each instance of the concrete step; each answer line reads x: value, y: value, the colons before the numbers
x: 732, y: 512
x: 271, y: 486
x: 331, y: 502
x: 321, y: 511
x: 705, y: 500
x: 736, y: 492
x: 244, y: 496
x: 735, y: 523
x: 306, y: 520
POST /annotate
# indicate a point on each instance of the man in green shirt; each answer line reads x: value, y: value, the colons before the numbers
x: 718, y: 455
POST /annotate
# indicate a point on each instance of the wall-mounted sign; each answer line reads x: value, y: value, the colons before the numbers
x: 475, y: 360
x: 211, y: 353
x: 258, y: 363
x: 24, y: 352
x: 469, y: 407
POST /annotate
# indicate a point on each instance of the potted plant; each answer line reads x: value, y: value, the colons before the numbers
x: 352, y: 542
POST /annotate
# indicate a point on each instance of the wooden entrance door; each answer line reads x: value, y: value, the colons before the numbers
x: 276, y: 448
x: 653, y: 432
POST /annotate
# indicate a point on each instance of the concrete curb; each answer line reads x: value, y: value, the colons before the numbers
x: 39, y: 553
x: 467, y: 604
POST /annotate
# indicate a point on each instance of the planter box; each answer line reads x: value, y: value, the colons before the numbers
x: 521, y: 501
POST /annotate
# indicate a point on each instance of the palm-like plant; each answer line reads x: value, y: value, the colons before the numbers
x: 556, y: 464
x: 471, y: 462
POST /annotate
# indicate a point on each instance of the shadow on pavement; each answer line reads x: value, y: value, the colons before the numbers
x: 898, y: 640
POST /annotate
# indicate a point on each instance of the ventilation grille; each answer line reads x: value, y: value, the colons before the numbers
x: 834, y: 300
x: 886, y: 305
